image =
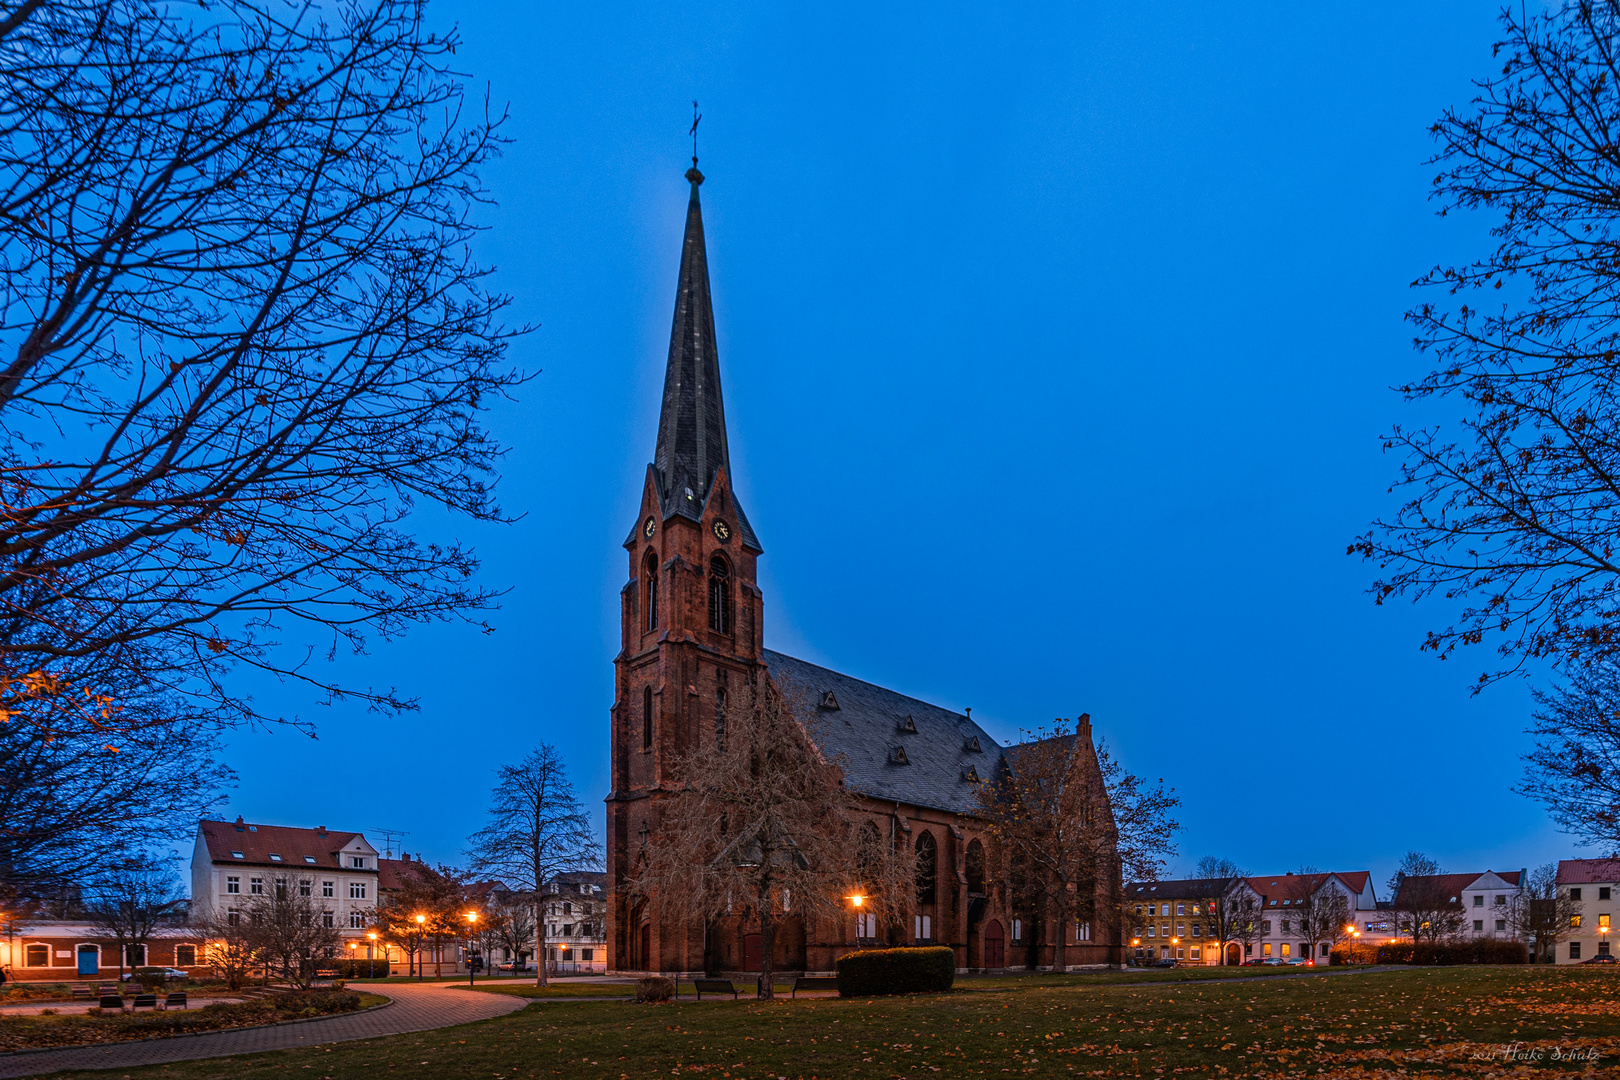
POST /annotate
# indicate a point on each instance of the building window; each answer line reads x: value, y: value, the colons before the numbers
x: 1018, y: 929
x: 185, y: 955
x: 975, y: 867
x: 719, y: 596
x: 924, y: 927
x: 866, y: 926
x: 357, y: 890
x: 651, y: 574
x: 1265, y: 926
x: 274, y: 857
x: 719, y: 720
x: 927, y: 868
x: 1603, y: 892
x: 281, y: 888
x: 135, y: 955
x: 1501, y: 924
x: 1082, y: 931
x: 1248, y: 950
x: 1574, y: 894
x: 1603, y: 920
x: 309, y: 858
x: 233, y: 917
x: 237, y: 855
x: 356, y: 921
x: 304, y: 887
x: 357, y: 862
x: 1197, y: 930
x: 256, y: 886
x: 1574, y: 950
x: 1152, y: 931
x: 1501, y: 899
x: 646, y: 718
x: 1479, y: 926
x: 1574, y: 922
x: 37, y: 956
x: 233, y: 884
x: 1285, y: 926
x: 328, y: 889
x: 1195, y: 952
x: 1181, y: 909
x: 587, y: 955
x: 1285, y: 948
x: 1603, y: 948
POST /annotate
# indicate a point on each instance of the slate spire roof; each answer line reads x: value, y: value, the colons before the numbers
x: 692, y: 426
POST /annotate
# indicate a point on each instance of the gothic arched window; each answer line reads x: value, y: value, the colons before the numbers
x: 927, y: 867
x: 720, y: 718
x: 719, y: 596
x: 646, y: 718
x: 651, y: 574
x: 975, y: 867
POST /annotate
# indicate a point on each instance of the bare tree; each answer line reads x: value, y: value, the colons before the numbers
x: 1212, y: 866
x: 1574, y: 770
x: 231, y: 942
x: 1423, y: 904
x: 537, y: 829
x: 515, y: 919
x: 1513, y: 510
x: 1321, y: 912
x: 1540, y: 914
x: 428, y: 904
x: 290, y: 931
x: 1235, y: 914
x: 249, y: 340
x: 133, y: 903
x: 759, y: 828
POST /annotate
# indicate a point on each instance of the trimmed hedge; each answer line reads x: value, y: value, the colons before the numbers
x: 1480, y: 951
x: 896, y: 971
x: 354, y: 969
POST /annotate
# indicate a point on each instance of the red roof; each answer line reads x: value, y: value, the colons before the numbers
x: 296, y: 847
x: 1587, y: 871
x: 1289, y: 886
x: 1452, y: 886
x: 1356, y: 880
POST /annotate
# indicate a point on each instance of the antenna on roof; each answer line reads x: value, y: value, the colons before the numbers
x: 388, y: 837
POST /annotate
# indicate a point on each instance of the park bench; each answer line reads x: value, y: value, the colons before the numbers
x: 715, y: 986
x: 145, y: 1001
x: 814, y: 982
x: 81, y: 993
x: 112, y: 1001
x: 108, y: 989
x: 178, y: 997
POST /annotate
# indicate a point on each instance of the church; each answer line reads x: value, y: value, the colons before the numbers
x: 694, y: 630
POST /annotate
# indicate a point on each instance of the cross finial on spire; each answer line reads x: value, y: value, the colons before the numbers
x: 692, y: 174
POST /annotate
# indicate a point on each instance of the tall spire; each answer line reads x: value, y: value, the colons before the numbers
x: 692, y: 426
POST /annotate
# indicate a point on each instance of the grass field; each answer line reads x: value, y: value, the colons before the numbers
x: 1379, y: 1024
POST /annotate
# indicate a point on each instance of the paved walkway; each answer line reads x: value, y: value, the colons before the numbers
x: 416, y: 1008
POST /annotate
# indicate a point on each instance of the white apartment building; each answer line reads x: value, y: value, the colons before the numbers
x: 1592, y: 884
x: 233, y: 862
x: 1280, y: 896
x: 576, y: 922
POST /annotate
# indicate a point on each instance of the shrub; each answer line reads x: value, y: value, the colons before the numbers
x: 896, y: 971
x: 1354, y: 952
x: 654, y: 988
x: 1480, y: 951
x: 353, y: 969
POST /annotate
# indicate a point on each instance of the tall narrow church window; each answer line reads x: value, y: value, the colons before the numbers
x: 646, y: 718
x: 720, y: 718
x: 719, y: 596
x: 651, y: 574
x: 975, y: 867
x: 927, y: 868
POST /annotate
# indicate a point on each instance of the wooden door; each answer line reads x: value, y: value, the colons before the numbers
x: 1234, y: 956
x: 995, y: 954
x: 751, y: 952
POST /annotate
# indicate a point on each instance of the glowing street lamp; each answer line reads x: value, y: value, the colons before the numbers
x: 472, y: 928
x: 420, y: 919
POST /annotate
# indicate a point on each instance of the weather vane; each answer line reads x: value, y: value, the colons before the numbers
x: 696, y: 116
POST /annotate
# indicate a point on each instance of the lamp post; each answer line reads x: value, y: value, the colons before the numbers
x: 420, y: 929
x: 472, y: 929
x: 371, y: 945
x: 1603, y: 941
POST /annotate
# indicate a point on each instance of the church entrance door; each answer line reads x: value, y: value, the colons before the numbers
x: 995, y: 955
x: 751, y: 956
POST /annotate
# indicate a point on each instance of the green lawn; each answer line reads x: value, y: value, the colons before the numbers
x: 1373, y: 1025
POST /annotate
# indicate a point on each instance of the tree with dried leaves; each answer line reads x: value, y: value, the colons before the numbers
x: 132, y: 903
x: 1514, y: 509
x: 249, y: 340
x: 427, y: 907
x: 1540, y: 914
x: 1574, y: 769
x: 758, y: 828
x: 537, y: 829
x: 1072, y: 821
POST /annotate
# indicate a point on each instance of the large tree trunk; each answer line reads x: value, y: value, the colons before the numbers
x: 540, y: 944
x: 767, y: 946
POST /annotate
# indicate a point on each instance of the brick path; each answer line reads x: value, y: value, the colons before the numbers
x: 415, y: 1008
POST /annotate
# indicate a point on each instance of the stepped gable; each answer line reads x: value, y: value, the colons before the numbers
x: 863, y: 725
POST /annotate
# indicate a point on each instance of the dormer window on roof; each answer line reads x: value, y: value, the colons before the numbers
x: 898, y: 756
x: 253, y: 828
x: 309, y: 858
x: 274, y: 857
x: 237, y: 855
x: 828, y: 701
x: 908, y: 726
x: 972, y: 745
x: 970, y: 773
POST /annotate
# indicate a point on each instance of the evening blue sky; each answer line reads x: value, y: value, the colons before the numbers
x: 1056, y: 343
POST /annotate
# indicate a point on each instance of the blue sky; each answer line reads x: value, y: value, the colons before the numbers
x: 1056, y: 344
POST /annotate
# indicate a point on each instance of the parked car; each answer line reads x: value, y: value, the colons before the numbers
x: 1292, y: 961
x: 514, y: 966
x: 1601, y: 958
x: 1256, y: 962
x: 167, y: 973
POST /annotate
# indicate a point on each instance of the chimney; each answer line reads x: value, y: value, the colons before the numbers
x: 1083, y: 728
x: 321, y: 829
x: 404, y: 856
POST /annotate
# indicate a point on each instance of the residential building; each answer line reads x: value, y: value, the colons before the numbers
x: 576, y: 922
x: 1472, y: 905
x: 1283, y: 898
x: 1169, y: 920
x: 692, y: 636
x: 1592, y: 885
x: 55, y: 946
x: 234, y: 861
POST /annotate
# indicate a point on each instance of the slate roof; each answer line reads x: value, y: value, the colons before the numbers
x: 866, y: 728
x: 691, y: 444
x: 258, y: 842
x: 1179, y: 889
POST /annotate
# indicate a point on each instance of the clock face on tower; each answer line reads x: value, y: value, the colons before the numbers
x: 649, y: 527
x: 722, y: 531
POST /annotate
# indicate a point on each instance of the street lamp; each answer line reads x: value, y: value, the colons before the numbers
x: 472, y: 928
x: 371, y: 943
x: 420, y: 919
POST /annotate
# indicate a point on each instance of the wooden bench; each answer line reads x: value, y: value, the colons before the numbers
x: 145, y: 1001
x: 108, y: 989
x: 715, y: 986
x: 112, y: 1001
x: 178, y: 997
x: 81, y: 993
x: 814, y: 982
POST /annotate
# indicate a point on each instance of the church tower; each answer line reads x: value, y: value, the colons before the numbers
x: 691, y: 612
